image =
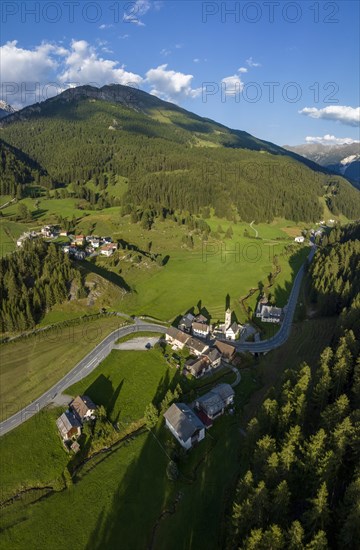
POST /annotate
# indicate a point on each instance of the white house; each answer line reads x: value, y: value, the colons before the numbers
x: 299, y: 239
x: 214, y: 357
x: 83, y: 407
x: 176, y: 337
x: 108, y: 249
x: 201, y: 330
x: 268, y: 313
x: 197, y: 347
x: 233, y: 331
x: 69, y: 426
x: 185, y: 426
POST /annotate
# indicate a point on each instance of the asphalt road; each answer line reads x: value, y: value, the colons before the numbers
x: 80, y: 371
x: 102, y: 350
x: 283, y: 334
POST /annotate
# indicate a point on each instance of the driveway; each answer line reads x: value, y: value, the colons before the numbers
x: 137, y: 344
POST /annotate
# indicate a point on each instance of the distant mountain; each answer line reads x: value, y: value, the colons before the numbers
x: 6, y: 109
x: 172, y: 159
x: 340, y: 159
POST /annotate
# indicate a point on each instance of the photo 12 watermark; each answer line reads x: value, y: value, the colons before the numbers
x: 270, y: 12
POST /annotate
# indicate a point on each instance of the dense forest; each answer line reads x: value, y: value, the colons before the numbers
x: 302, y: 488
x: 172, y: 160
x: 32, y: 280
x: 335, y: 281
x: 16, y: 170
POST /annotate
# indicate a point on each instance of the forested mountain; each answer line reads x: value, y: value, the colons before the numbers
x: 31, y: 281
x: 172, y: 159
x: 302, y: 490
x: 16, y: 169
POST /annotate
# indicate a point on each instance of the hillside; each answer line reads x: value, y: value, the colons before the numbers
x: 16, y: 169
x: 340, y: 159
x: 171, y: 158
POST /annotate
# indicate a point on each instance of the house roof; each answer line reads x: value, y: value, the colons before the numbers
x: 213, y: 354
x: 225, y: 349
x: 270, y: 311
x: 177, y: 334
x: 185, y: 320
x: 196, y: 366
x: 202, y: 327
x: 234, y: 328
x: 82, y: 404
x: 200, y: 318
x: 67, y: 421
x: 215, y: 400
x: 183, y: 420
x: 197, y: 345
x: 224, y: 390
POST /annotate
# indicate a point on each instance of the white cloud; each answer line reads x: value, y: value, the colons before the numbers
x: 24, y: 72
x: 84, y: 66
x: 124, y: 36
x: 242, y: 70
x: 165, y: 52
x: 341, y: 113
x: 196, y: 60
x: 81, y: 63
x: 171, y: 85
x: 103, y: 26
x: 135, y: 11
x: 232, y: 84
x: 252, y: 63
x: 179, y: 46
x: 330, y: 140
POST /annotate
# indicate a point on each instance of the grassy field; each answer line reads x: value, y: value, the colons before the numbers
x: 129, y: 483
x: 126, y: 382
x: 9, y: 233
x: 32, y: 365
x: 203, y: 275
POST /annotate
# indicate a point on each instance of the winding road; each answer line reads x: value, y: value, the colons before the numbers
x: 102, y: 350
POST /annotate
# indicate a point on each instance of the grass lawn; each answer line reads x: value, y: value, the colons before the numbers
x: 9, y: 233
x: 32, y: 455
x: 126, y: 382
x: 30, y: 366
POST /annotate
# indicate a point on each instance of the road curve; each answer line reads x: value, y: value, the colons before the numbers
x: 283, y: 334
x: 80, y: 371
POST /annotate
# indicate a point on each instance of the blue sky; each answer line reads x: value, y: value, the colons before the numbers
x: 283, y: 71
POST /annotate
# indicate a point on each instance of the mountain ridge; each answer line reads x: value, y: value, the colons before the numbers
x: 172, y: 159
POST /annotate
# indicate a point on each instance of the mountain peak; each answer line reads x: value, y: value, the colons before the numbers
x: 6, y: 109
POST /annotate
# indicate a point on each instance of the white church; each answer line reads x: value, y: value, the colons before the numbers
x: 230, y: 330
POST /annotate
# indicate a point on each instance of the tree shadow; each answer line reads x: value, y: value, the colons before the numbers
x: 139, y: 497
x: 110, y: 276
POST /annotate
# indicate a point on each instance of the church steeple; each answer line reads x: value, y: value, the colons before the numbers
x: 228, y: 314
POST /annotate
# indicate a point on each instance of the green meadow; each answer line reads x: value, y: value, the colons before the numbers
x: 117, y: 484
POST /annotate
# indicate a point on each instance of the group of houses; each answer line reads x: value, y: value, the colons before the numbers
x: 205, y: 357
x: 199, y: 327
x: 78, y: 247
x: 189, y: 424
x: 81, y: 246
x: 70, y: 423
